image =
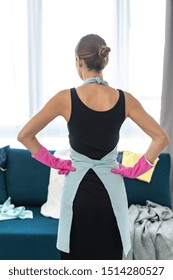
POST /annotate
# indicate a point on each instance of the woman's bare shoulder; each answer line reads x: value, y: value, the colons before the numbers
x: 61, y: 97
x: 132, y: 103
x: 62, y: 94
x: 63, y: 103
x: 130, y: 97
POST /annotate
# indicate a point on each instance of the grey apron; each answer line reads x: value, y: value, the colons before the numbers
x: 114, y: 185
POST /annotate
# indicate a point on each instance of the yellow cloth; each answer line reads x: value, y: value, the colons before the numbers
x: 130, y: 158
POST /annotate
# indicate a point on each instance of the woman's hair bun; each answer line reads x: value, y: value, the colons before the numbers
x: 94, y: 51
x: 104, y: 51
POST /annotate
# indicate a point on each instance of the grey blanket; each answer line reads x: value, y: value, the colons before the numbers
x: 151, y: 232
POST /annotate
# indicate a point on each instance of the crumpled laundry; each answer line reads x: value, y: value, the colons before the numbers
x: 151, y: 232
x: 9, y: 211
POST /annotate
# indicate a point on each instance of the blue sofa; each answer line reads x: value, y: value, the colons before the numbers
x: 26, y: 182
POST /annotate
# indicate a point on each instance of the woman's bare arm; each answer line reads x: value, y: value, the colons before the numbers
x: 56, y: 106
x: 160, y: 139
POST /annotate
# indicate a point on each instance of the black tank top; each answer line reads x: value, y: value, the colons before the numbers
x: 94, y: 133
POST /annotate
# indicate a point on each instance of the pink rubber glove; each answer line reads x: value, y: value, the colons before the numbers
x: 64, y: 166
x: 136, y: 170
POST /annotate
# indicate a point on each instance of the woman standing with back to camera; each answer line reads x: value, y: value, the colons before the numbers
x: 94, y: 221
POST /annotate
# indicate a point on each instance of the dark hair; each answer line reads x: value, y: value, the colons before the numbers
x: 94, y: 51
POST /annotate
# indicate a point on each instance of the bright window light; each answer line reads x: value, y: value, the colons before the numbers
x: 13, y: 62
x: 133, y: 29
x: 146, y: 53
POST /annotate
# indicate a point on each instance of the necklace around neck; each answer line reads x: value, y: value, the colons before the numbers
x: 97, y: 80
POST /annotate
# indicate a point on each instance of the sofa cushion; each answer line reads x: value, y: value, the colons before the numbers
x: 158, y: 190
x: 3, y: 157
x: 3, y: 193
x: 3, y: 162
x: 29, y: 239
x: 27, y: 179
x: 52, y: 206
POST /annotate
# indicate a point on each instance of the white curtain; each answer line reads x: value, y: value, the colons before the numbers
x: 34, y: 9
x: 121, y: 43
x: 13, y: 68
x: 167, y: 88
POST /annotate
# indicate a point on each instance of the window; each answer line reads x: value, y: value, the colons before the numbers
x: 146, y: 51
x: 63, y: 24
x: 37, y: 58
x: 13, y: 66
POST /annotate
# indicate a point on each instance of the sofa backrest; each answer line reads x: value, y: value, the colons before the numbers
x: 3, y: 163
x: 26, y: 179
x: 3, y: 193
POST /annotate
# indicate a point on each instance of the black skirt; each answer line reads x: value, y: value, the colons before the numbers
x: 94, y: 232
